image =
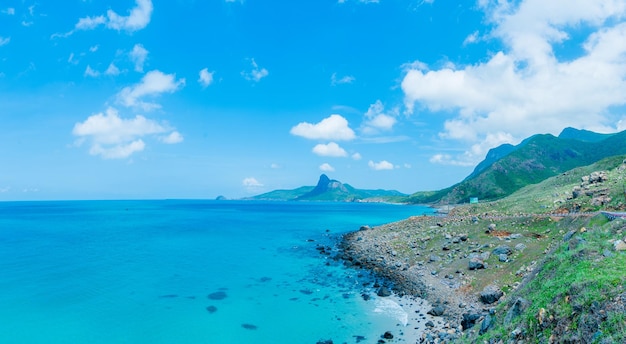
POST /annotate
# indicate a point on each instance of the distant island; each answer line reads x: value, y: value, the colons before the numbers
x: 332, y: 190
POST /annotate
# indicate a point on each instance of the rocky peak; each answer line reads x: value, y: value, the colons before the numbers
x: 325, y: 184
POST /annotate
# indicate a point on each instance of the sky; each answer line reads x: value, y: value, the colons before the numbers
x: 148, y: 99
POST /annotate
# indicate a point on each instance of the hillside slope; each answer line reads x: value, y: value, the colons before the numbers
x: 536, y: 159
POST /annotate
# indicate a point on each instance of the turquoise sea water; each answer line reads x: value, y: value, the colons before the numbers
x: 184, y: 272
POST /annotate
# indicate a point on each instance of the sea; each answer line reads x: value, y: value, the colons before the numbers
x: 188, y: 271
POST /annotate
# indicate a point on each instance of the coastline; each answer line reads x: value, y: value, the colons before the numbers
x: 412, y: 282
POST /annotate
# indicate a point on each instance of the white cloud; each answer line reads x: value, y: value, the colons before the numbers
x: 256, y: 74
x: 251, y: 182
x: 152, y: 84
x: 356, y: 156
x: 382, y: 165
x: 335, y: 127
x: 137, y: 19
x: 471, y: 38
x: 120, y: 151
x: 10, y: 11
x: 113, y: 137
x: 275, y: 166
x: 94, y: 48
x: 91, y: 72
x: 138, y: 56
x: 172, y: 138
x: 331, y: 149
x: 112, y: 70
x: 527, y: 86
x: 334, y: 80
x: 376, y: 119
x: 5, y: 189
x: 206, y: 77
x: 4, y: 40
x: 89, y: 23
x: 325, y: 167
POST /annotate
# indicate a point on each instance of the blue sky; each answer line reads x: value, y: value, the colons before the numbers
x: 195, y: 99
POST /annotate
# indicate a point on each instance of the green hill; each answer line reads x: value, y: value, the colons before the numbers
x: 534, y: 160
x: 333, y: 191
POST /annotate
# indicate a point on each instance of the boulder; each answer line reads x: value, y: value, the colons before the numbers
x: 383, y: 292
x: 491, y: 294
x: 518, y: 306
x: 469, y: 320
x: 437, y: 311
x: 434, y: 258
x: 486, y: 325
x: 504, y: 249
x: 476, y: 263
x: 619, y: 245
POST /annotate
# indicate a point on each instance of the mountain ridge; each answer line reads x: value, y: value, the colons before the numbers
x: 332, y: 190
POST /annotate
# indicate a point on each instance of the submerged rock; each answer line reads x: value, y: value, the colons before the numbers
x: 218, y: 295
x: 249, y: 326
x: 328, y: 341
x: 211, y: 309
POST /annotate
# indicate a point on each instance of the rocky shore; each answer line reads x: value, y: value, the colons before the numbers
x: 446, y: 261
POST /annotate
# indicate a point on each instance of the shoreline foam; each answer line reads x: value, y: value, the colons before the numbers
x: 410, y: 283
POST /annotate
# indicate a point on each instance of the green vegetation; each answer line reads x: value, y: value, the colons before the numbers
x: 332, y: 191
x: 577, y: 292
x: 536, y: 159
x: 578, y: 295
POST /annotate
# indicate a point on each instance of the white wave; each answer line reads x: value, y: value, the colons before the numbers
x: 392, y: 309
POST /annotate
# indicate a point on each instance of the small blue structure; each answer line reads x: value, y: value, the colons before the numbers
x: 473, y: 200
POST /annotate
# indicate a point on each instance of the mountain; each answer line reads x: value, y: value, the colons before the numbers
x: 535, y: 159
x: 331, y: 190
x: 582, y: 135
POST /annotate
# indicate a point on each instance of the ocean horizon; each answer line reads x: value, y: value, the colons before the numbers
x: 188, y: 271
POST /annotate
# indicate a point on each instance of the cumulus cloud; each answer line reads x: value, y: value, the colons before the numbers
x: 527, y: 86
x: 4, y: 40
x: 376, y: 119
x: 112, y: 70
x: 9, y: 11
x: 256, y: 73
x: 114, y: 137
x: 325, y: 167
x: 172, y: 138
x: 356, y: 156
x: 251, y: 182
x: 381, y: 165
x: 91, y: 72
x: 331, y: 149
x: 206, y: 77
x: 334, y: 80
x: 334, y: 127
x: 153, y: 84
x: 138, y: 18
x: 138, y: 56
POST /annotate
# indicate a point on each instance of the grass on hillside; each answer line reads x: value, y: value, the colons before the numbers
x: 580, y: 290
